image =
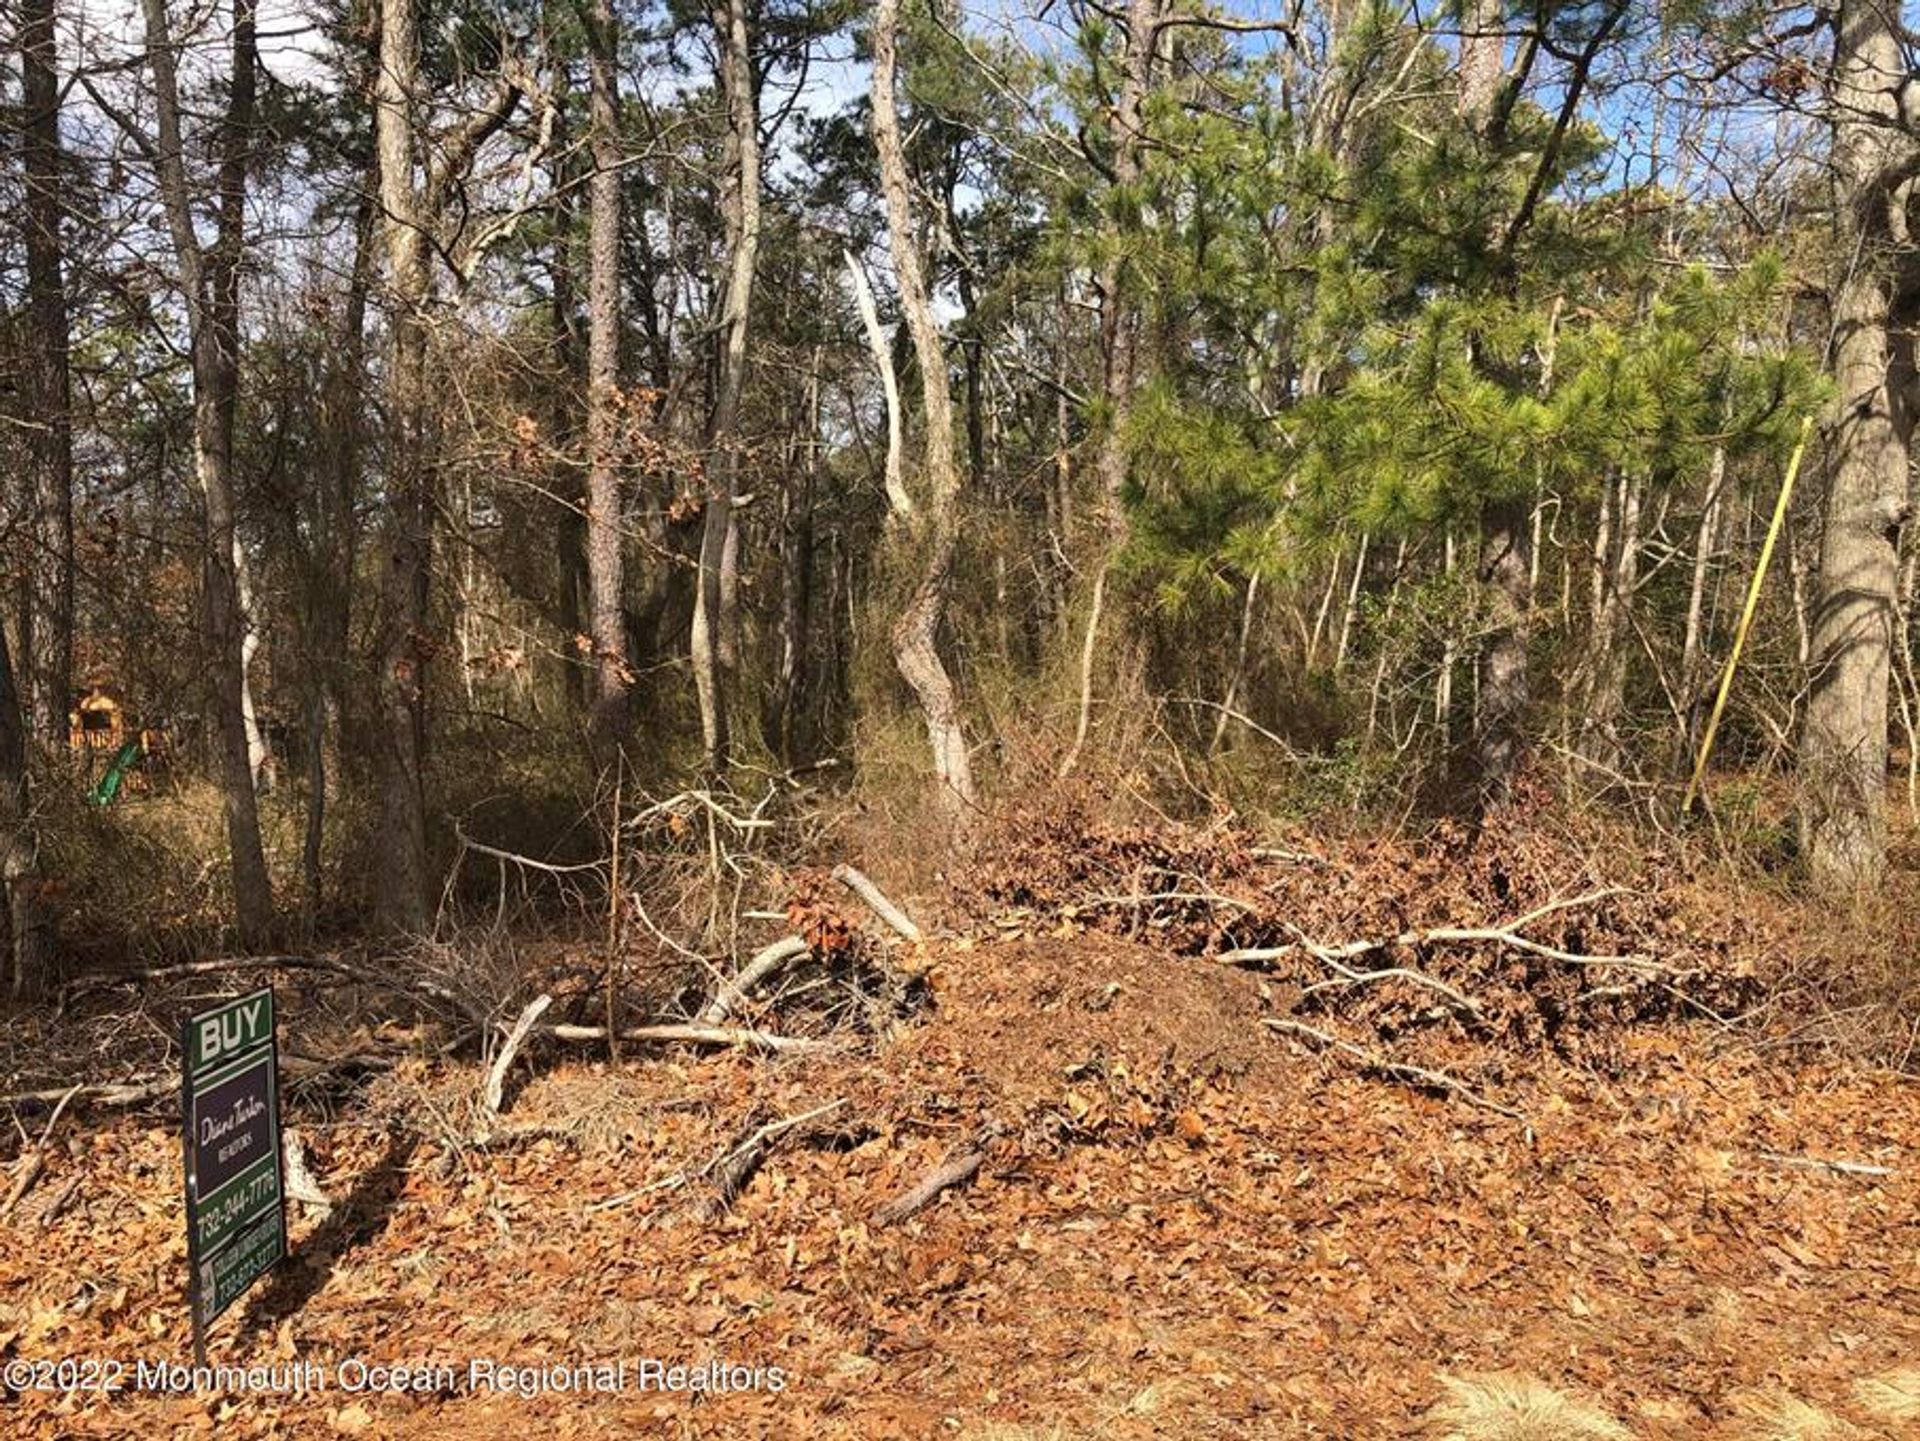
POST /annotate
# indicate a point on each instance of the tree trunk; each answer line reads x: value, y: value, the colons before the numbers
x: 1844, y: 751
x: 741, y: 205
x: 605, y: 580
x: 1618, y: 578
x: 1119, y: 325
x: 790, y: 734
x: 916, y: 633
x: 329, y: 603
x: 211, y: 281
x: 46, y: 622
x: 1693, y: 646
x: 1505, y: 539
x: 18, y: 862
x: 407, y: 540
x: 1506, y: 530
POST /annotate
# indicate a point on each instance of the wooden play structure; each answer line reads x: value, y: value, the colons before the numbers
x: 115, y: 755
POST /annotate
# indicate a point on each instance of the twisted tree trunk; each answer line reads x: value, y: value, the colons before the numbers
x: 719, y: 546
x: 916, y: 650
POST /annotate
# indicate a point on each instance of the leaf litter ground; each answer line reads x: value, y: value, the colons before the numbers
x: 1185, y: 1224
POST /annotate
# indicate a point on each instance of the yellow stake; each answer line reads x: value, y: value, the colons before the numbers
x: 1746, y: 615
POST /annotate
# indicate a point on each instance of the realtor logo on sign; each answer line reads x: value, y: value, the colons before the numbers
x: 236, y: 1196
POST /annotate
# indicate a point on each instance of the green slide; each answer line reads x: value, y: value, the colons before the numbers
x: 108, y: 786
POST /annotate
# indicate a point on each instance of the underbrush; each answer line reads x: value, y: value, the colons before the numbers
x: 1548, y: 930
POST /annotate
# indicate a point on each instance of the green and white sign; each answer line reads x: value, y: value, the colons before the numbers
x: 230, y: 1101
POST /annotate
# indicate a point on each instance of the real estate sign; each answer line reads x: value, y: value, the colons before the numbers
x: 230, y: 1100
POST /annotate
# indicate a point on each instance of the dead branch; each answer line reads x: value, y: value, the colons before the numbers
x: 734, y: 993
x: 1349, y: 977
x: 732, y: 1169
x: 28, y: 1167
x: 1139, y: 898
x: 118, y: 1094
x: 130, y: 1093
x: 1507, y: 935
x: 497, y: 1076
x: 85, y: 984
x: 1387, y: 1066
x: 959, y: 1168
x: 61, y: 1199
x: 514, y: 858
x: 897, y: 920
x: 693, y: 1035
x: 1816, y: 1163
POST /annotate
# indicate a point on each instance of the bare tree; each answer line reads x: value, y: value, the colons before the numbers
x: 417, y: 182
x: 210, y: 283
x: 47, y: 620
x: 916, y: 632
x: 407, y: 542
x: 719, y: 534
x: 329, y: 559
x: 605, y: 579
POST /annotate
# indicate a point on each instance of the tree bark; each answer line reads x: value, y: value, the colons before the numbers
x: 741, y: 206
x: 916, y: 650
x: 210, y: 281
x: 791, y: 737
x: 18, y: 849
x: 605, y: 576
x: 1617, y: 580
x: 1506, y: 537
x: 406, y: 543
x: 330, y: 582
x: 46, y: 621
x: 1506, y: 530
x: 1844, y: 750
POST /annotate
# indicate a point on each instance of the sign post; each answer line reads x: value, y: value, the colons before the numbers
x: 230, y: 1143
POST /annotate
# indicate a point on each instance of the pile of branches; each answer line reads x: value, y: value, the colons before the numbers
x: 1508, y: 937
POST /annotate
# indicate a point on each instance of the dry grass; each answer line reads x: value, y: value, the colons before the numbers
x: 1512, y: 1407
x: 1892, y: 1395
x: 1778, y: 1416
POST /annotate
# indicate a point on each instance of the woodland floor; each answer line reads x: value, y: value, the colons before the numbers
x: 1186, y: 1225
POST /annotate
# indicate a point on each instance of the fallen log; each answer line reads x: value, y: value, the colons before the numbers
x: 104, y: 980
x: 61, y: 1200
x: 301, y: 1184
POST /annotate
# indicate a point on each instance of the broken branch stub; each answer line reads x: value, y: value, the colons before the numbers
x: 896, y: 919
